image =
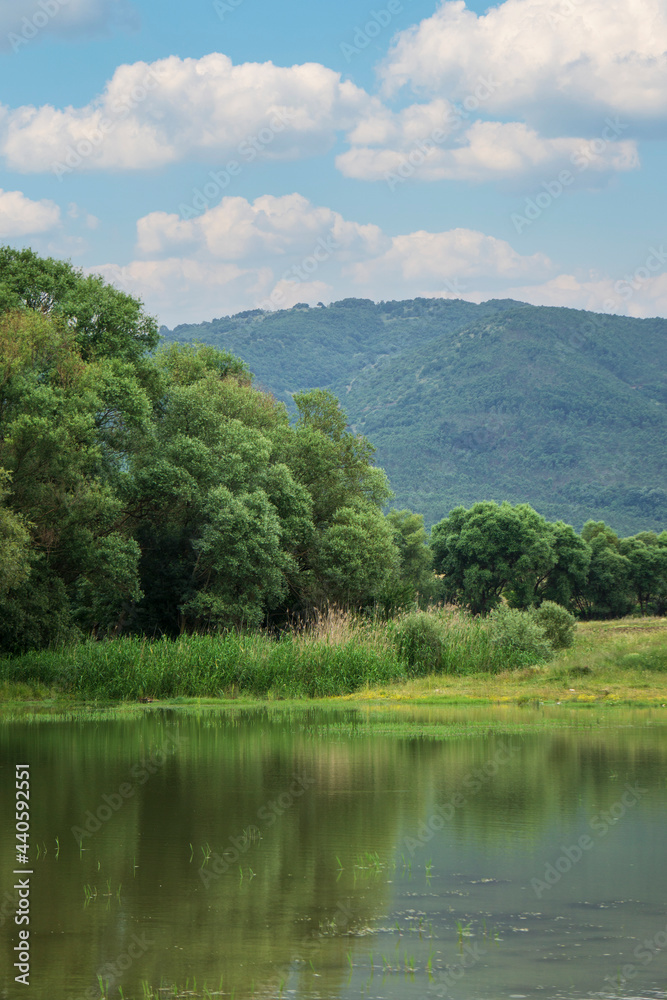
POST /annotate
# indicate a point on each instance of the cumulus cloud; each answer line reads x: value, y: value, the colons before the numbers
x: 276, y: 251
x: 548, y: 62
x: 431, y: 261
x: 20, y: 216
x: 392, y: 148
x: 641, y: 293
x: 176, y: 109
x: 22, y: 21
x: 237, y: 229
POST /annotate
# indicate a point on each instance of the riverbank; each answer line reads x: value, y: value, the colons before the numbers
x: 621, y: 662
x: 615, y: 662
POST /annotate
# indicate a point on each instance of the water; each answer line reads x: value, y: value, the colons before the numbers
x: 478, y: 853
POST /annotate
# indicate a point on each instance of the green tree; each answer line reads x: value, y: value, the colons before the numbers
x: 219, y: 518
x: 569, y: 574
x: 59, y: 419
x: 14, y: 543
x: 490, y: 549
x: 414, y: 578
x: 356, y: 557
x: 606, y: 593
x: 351, y: 553
x: 106, y: 322
x: 647, y: 570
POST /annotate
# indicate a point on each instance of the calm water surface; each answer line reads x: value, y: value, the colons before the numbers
x: 325, y: 854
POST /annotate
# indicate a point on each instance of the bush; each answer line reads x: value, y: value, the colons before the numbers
x: 518, y: 632
x: 557, y: 622
x: 418, y: 641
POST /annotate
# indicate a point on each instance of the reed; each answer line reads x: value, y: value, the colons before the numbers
x: 336, y: 653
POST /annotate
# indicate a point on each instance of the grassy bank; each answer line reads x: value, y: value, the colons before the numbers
x: 456, y: 658
x: 616, y: 662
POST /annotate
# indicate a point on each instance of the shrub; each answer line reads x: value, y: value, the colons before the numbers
x: 557, y: 622
x: 518, y: 631
x: 418, y: 640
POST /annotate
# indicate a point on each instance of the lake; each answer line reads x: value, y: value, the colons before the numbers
x: 320, y: 853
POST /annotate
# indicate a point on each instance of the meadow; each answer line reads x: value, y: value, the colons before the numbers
x: 441, y: 655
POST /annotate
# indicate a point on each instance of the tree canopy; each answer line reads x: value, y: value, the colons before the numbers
x: 492, y: 552
x: 152, y: 488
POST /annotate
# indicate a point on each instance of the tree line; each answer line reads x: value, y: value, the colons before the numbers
x: 492, y: 552
x: 151, y: 488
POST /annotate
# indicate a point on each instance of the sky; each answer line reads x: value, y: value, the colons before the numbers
x: 224, y: 155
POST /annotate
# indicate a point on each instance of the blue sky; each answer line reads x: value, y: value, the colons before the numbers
x: 234, y: 154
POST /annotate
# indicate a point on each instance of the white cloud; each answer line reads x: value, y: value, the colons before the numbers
x: 641, y: 293
x: 237, y: 229
x: 392, y: 148
x: 428, y: 262
x: 19, y: 216
x: 276, y: 251
x: 22, y: 21
x: 175, y: 109
x: 545, y: 60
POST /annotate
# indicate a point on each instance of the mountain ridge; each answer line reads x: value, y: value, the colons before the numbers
x: 561, y: 408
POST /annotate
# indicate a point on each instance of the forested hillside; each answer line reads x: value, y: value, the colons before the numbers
x: 559, y: 408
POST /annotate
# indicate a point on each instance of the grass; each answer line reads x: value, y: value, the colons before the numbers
x: 614, y: 662
x: 342, y: 655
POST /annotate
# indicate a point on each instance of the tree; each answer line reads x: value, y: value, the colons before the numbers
x: 489, y: 549
x: 606, y: 593
x: 14, y: 543
x: 414, y: 576
x: 569, y: 573
x: 106, y: 322
x: 647, y: 570
x: 356, y: 557
x: 60, y: 420
x: 161, y: 492
x: 218, y: 516
x: 351, y: 553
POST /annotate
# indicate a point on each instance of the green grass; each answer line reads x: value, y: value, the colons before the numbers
x: 344, y: 655
x: 202, y: 666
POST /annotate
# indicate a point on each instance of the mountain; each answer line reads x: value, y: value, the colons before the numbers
x: 560, y: 408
